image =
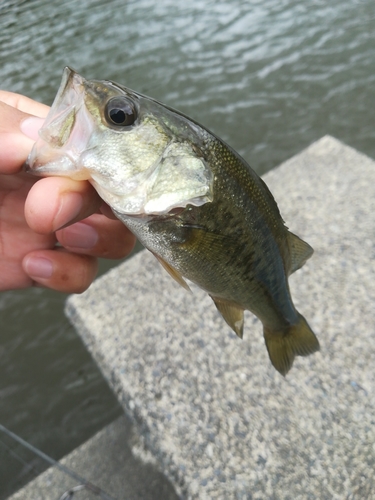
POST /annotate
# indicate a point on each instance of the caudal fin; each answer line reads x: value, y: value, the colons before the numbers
x: 283, y: 346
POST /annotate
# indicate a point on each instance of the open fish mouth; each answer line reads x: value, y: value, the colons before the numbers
x: 65, y: 133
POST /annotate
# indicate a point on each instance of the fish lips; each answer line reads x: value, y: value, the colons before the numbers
x: 61, y: 141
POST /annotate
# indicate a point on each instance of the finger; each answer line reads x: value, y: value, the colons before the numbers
x: 14, y: 144
x: 24, y: 103
x: 61, y: 270
x: 12, y: 276
x: 107, y: 211
x: 54, y: 202
x: 99, y: 237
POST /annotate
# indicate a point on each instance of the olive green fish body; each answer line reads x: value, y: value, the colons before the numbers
x: 188, y: 197
x: 230, y: 247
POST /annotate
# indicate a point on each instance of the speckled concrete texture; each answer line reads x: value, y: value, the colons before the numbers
x: 220, y: 421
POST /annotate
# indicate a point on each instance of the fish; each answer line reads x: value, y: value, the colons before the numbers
x: 188, y: 197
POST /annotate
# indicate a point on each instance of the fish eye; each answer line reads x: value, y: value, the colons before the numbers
x: 120, y: 112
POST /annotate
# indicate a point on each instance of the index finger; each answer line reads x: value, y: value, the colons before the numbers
x: 24, y: 104
x: 16, y: 143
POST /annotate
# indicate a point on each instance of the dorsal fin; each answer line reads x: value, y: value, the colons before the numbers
x: 232, y: 313
x: 172, y: 272
x: 300, y: 251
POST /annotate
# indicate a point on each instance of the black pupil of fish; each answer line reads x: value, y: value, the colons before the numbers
x: 120, y: 112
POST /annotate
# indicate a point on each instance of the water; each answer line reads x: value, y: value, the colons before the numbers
x: 268, y: 76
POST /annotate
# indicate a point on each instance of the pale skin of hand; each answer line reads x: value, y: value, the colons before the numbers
x: 35, y: 214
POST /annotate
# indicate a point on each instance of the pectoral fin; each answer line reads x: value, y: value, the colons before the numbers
x: 172, y: 272
x: 300, y: 252
x: 197, y: 237
x: 232, y: 314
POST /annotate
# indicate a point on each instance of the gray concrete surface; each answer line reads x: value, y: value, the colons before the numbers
x: 219, y: 420
x: 107, y: 461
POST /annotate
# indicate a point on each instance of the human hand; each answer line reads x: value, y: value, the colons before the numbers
x: 35, y: 214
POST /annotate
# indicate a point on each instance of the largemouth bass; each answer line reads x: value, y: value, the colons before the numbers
x: 188, y: 197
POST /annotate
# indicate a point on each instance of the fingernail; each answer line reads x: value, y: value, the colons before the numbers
x: 30, y: 126
x: 70, y: 206
x: 79, y: 235
x: 37, y: 267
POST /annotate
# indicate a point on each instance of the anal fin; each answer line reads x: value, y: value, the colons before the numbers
x: 232, y: 313
x: 172, y: 272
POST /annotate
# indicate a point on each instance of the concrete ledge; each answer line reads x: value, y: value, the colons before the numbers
x: 219, y: 420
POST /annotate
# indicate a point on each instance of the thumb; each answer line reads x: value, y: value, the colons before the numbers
x: 30, y: 127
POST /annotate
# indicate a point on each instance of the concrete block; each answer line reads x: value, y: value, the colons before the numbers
x: 220, y: 421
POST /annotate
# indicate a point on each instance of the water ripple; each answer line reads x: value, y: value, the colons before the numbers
x: 269, y: 77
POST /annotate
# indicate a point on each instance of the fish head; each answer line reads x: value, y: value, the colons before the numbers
x: 142, y: 157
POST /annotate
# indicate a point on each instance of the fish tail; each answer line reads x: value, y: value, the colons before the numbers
x: 295, y: 340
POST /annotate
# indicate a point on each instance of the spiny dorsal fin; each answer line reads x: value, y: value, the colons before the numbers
x: 172, y: 272
x: 300, y: 252
x: 232, y: 314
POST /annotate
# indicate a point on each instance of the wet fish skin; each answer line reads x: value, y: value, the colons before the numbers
x: 193, y: 202
x: 212, y: 246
